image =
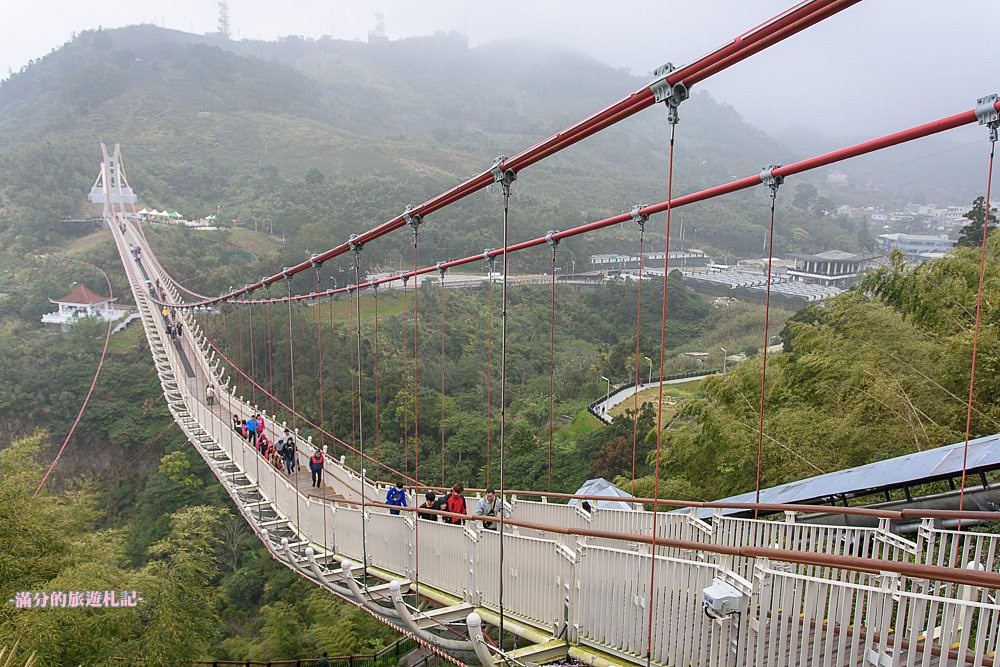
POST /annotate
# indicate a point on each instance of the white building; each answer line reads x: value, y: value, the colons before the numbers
x: 834, y: 268
x: 917, y: 247
x: 80, y: 303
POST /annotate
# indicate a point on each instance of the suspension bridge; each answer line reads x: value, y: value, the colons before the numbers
x: 688, y: 583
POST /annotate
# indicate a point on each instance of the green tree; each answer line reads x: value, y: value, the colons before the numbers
x: 972, y: 233
x: 180, y: 610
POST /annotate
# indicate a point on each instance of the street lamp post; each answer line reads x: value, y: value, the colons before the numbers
x: 573, y: 262
x: 649, y: 380
x: 724, y: 353
x: 607, y: 396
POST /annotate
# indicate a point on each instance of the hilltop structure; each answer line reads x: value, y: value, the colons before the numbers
x: 82, y: 302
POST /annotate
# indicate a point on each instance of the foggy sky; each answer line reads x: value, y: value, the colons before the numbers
x: 876, y: 67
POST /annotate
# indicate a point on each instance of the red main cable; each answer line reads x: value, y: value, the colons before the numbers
x: 93, y: 383
x: 863, y: 148
x: 782, y: 26
x: 975, y: 331
x: 767, y: 313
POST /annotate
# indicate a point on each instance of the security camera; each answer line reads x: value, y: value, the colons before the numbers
x: 721, y: 600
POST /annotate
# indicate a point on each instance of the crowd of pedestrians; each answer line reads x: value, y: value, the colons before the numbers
x: 281, y: 453
x: 488, y: 507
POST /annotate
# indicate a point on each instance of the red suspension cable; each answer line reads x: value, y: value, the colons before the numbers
x: 333, y: 375
x: 378, y: 454
x: 767, y: 312
x: 350, y: 370
x: 416, y: 371
x: 405, y: 372
x: 442, y: 378
x: 489, y: 369
x: 659, y: 410
x: 638, y: 331
x: 270, y: 360
x: 228, y: 338
x: 253, y: 357
x: 239, y: 346
x: 93, y: 383
x: 552, y: 348
x: 975, y: 331
x: 319, y: 352
x: 291, y: 360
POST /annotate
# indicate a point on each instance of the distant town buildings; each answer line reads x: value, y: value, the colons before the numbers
x: 81, y: 303
x: 917, y: 247
x: 834, y: 268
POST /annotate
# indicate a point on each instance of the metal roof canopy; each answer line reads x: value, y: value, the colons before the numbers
x: 602, y: 487
x: 918, y: 468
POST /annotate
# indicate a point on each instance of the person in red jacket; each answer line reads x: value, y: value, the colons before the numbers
x: 316, y: 466
x: 456, y: 503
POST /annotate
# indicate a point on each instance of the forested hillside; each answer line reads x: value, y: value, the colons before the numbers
x: 879, y: 372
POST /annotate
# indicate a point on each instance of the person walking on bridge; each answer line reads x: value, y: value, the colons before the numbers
x: 490, y: 505
x: 210, y: 395
x: 288, y: 451
x: 453, y: 501
x: 396, y: 497
x: 252, y: 431
x: 316, y: 467
x: 428, y: 505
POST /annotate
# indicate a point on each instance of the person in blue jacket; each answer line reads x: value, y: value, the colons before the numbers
x: 252, y: 431
x: 396, y: 496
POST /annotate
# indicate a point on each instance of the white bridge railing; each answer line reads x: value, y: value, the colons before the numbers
x: 594, y: 590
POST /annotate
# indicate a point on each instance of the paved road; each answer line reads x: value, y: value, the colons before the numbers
x: 604, y: 407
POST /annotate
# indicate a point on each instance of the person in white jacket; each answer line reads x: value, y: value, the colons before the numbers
x: 491, y: 505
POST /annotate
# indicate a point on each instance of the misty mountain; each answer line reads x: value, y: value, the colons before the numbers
x: 207, y: 123
x: 127, y: 84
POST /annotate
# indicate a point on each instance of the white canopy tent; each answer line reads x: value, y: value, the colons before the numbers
x: 602, y: 487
